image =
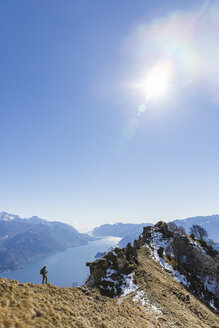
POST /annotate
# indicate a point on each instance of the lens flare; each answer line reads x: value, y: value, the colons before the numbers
x: 189, y: 39
x: 158, y: 81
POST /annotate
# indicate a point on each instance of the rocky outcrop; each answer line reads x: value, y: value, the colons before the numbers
x: 112, y: 273
x: 191, y: 262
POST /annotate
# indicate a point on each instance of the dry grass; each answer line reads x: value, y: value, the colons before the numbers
x: 173, y: 299
x: 28, y: 305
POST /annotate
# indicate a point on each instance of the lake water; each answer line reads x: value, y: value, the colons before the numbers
x: 64, y: 268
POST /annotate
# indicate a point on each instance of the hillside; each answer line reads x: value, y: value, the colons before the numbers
x: 159, y: 302
x: 190, y: 261
x: 25, y: 240
x: 149, y: 294
x: 209, y: 223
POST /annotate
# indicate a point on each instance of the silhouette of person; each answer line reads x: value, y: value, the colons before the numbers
x: 43, y: 272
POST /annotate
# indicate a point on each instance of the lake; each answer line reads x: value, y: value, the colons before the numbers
x: 64, y: 268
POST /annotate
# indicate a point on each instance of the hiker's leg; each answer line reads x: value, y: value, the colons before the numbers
x: 46, y: 279
x: 43, y: 280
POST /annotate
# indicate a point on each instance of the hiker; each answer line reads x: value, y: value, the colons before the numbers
x: 43, y: 272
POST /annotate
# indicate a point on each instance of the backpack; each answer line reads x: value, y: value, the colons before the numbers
x: 42, y: 271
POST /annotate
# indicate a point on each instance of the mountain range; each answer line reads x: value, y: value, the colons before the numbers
x: 146, y: 285
x: 130, y: 231
x: 25, y: 240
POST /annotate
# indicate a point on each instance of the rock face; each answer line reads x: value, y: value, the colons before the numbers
x: 191, y: 262
x: 112, y: 274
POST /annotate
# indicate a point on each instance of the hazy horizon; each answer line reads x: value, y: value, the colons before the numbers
x: 88, y: 228
x: 109, y: 110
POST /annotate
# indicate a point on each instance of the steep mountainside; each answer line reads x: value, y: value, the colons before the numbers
x: 141, y: 282
x: 191, y: 262
x: 209, y: 223
x: 24, y: 240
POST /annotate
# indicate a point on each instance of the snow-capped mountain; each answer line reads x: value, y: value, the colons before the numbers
x: 8, y: 217
x: 4, y: 216
x: 24, y: 240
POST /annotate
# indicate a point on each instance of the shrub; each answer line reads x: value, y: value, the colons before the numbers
x: 199, y: 232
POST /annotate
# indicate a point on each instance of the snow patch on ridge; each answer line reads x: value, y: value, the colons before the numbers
x: 128, y: 285
x: 157, y: 241
x: 140, y: 298
x: 178, y: 276
x: 212, y: 304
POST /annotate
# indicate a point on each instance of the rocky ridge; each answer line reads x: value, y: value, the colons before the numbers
x: 114, y: 273
x: 146, y: 285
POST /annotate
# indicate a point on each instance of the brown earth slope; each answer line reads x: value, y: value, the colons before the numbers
x: 159, y: 301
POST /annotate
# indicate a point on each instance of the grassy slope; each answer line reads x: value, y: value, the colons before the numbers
x: 28, y: 305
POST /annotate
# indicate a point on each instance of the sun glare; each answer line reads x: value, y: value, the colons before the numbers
x: 158, y: 80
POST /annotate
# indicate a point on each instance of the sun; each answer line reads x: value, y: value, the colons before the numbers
x: 158, y: 81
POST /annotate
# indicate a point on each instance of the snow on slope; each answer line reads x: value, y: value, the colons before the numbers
x: 141, y: 298
x: 7, y: 217
x: 157, y: 241
x: 127, y: 285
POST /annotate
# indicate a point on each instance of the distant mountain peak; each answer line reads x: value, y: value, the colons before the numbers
x: 26, y: 239
x: 4, y: 216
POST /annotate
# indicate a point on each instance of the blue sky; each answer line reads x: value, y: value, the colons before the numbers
x: 80, y: 140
